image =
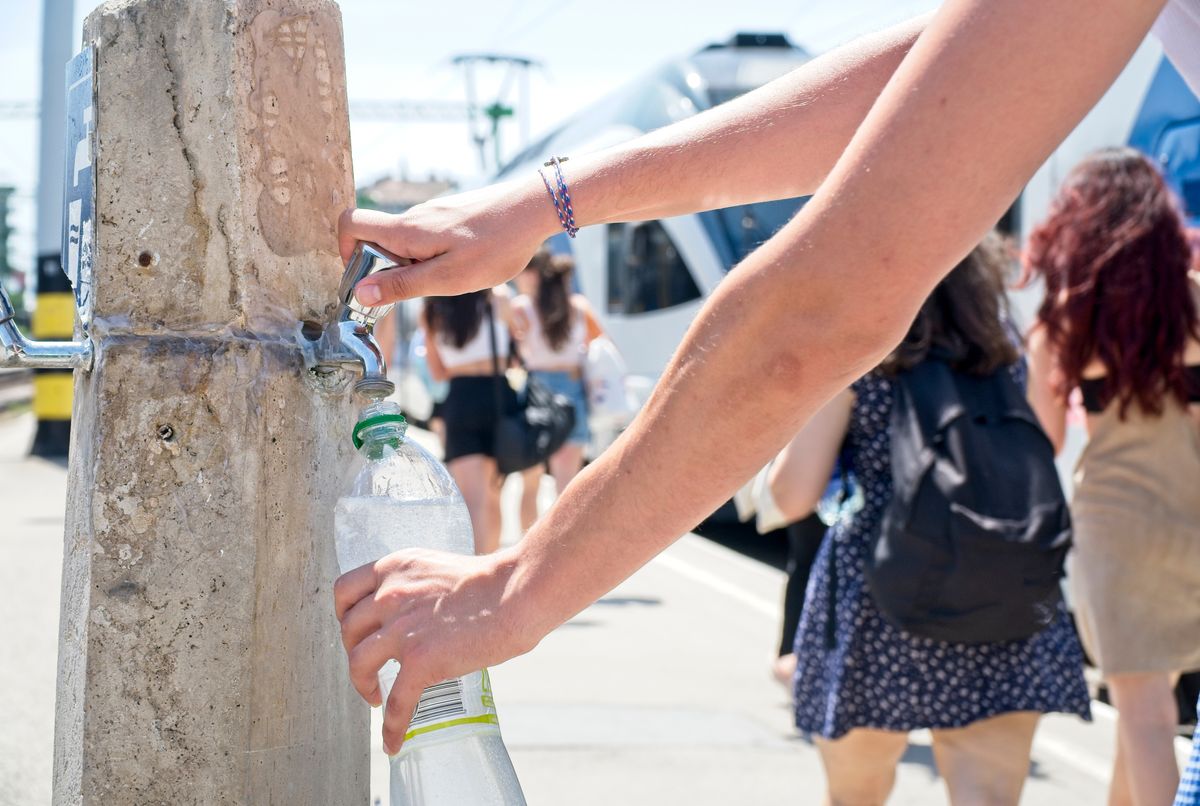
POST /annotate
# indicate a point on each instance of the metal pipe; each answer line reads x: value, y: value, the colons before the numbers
x: 18, y: 351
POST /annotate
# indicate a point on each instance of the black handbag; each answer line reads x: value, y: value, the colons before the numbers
x: 539, y: 426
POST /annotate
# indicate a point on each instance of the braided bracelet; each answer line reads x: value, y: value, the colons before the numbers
x: 560, y: 197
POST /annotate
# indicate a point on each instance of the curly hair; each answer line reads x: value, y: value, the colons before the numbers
x: 1115, y: 258
x: 964, y: 320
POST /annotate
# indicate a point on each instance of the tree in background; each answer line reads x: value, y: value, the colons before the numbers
x: 10, y: 279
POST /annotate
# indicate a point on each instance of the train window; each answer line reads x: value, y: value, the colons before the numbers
x: 1009, y: 224
x: 645, y: 270
x: 1176, y: 150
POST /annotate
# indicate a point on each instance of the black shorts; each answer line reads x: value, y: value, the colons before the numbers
x: 469, y: 412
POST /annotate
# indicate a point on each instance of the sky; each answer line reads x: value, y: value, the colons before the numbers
x: 403, y: 49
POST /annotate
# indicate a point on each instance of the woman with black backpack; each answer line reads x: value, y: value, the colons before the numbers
x: 863, y: 682
x: 1119, y: 324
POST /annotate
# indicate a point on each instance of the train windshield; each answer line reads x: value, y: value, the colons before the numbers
x: 738, y: 231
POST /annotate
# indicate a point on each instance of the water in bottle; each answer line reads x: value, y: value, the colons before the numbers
x: 402, y: 497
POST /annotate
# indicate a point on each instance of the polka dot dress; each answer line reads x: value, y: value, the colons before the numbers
x: 875, y: 675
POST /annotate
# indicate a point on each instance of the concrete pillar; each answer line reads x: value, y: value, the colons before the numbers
x: 200, y: 661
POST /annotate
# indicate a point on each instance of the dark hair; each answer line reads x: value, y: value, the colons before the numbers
x: 964, y: 320
x: 1115, y: 258
x: 553, y: 295
x: 457, y: 318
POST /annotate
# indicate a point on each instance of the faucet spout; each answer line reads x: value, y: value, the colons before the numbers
x: 351, y: 346
x: 18, y: 351
x: 348, y: 340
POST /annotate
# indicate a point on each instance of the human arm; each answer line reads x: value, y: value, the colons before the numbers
x: 594, y: 328
x: 505, y: 309
x: 1042, y: 388
x: 519, y: 321
x: 965, y: 122
x: 803, y: 468
x: 777, y: 141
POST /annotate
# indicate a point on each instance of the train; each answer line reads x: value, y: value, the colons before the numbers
x: 647, y: 280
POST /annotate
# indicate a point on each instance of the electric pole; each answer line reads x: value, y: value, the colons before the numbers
x: 485, y: 119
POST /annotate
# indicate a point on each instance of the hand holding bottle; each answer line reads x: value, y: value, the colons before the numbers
x: 412, y: 602
x: 441, y: 615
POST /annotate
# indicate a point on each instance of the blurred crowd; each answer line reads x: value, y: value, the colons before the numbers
x: 548, y: 336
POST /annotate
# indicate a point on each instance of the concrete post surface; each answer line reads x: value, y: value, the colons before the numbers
x: 199, y: 659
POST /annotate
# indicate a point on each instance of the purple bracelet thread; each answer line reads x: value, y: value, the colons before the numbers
x: 560, y: 197
x: 562, y: 218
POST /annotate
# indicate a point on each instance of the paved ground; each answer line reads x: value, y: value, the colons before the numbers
x: 657, y: 694
x: 15, y: 388
x: 32, y: 498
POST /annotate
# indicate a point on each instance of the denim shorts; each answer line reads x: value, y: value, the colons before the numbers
x: 565, y: 384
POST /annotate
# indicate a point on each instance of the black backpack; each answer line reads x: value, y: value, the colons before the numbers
x: 973, y: 542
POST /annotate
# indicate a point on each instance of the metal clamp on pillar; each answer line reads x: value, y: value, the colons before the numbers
x: 347, y: 343
x: 18, y: 351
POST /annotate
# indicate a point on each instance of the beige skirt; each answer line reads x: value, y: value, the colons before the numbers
x: 1135, y: 589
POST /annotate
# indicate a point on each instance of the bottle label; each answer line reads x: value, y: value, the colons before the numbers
x: 458, y: 702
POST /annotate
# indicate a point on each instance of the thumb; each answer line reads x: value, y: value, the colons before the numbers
x: 418, y: 279
x: 369, y: 225
x: 398, y: 711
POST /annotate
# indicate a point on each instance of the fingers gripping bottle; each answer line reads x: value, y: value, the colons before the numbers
x: 404, y: 498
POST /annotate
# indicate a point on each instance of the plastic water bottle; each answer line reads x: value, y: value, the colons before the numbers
x: 402, y: 497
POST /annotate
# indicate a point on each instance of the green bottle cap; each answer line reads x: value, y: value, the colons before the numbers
x: 371, y: 422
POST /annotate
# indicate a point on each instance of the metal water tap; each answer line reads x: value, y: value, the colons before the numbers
x: 348, y: 340
x: 18, y: 351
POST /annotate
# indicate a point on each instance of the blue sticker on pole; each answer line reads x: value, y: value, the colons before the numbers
x: 79, y: 193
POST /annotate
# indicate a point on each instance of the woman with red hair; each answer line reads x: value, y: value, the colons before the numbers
x: 1119, y: 324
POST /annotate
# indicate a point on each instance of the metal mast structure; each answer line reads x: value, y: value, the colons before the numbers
x: 485, y: 120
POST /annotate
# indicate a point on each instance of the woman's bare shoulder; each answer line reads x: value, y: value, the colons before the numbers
x: 1037, y: 340
x: 1191, y: 354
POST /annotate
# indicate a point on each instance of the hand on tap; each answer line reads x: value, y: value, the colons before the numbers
x: 460, y: 243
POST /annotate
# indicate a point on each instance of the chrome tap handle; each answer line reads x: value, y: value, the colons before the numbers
x: 366, y: 260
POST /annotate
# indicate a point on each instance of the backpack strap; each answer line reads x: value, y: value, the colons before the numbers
x: 930, y: 390
x: 1015, y: 403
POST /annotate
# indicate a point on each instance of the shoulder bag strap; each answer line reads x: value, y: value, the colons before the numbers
x: 497, y: 378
